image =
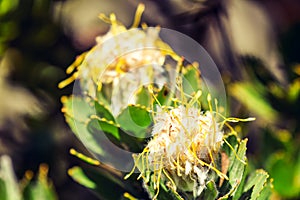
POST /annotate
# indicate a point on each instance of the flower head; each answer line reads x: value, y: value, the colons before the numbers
x: 123, y: 58
x: 184, y: 138
x: 183, y: 148
x: 182, y: 129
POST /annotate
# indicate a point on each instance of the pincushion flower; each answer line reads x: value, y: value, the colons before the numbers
x: 184, y: 138
x: 183, y: 148
x: 182, y: 128
x: 124, y: 59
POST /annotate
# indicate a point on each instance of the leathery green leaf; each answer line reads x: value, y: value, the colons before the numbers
x: 191, y: 80
x: 77, y: 112
x: 256, y: 182
x: 135, y: 119
x: 79, y: 176
x: 101, y: 126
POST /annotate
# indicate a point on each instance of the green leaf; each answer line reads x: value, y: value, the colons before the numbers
x: 191, y: 80
x: 81, y: 131
x: 9, y: 188
x: 266, y: 192
x: 283, y: 168
x: 8, y: 6
x: 103, y: 112
x: 9, y: 183
x: 40, y: 190
x: 2, y: 189
x: 164, y: 96
x: 101, y: 126
x: 77, y: 114
x: 135, y: 119
x: 143, y: 97
x: 104, y: 184
x: 254, y: 98
x: 256, y: 182
x: 211, y: 191
x: 239, y: 191
x: 77, y: 108
x: 232, y: 140
x: 104, y: 95
x: 164, y: 192
x: 79, y: 176
x: 237, y: 166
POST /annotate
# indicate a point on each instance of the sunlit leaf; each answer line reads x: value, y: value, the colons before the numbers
x: 79, y: 176
x: 237, y: 167
x: 42, y: 189
x: 143, y: 97
x: 211, y: 191
x: 255, y: 101
x: 103, y: 184
x: 77, y: 113
x: 283, y: 170
x: 164, y: 96
x: 256, y: 182
x: 103, y: 112
x: 9, y: 189
x: 101, y: 126
x: 135, y: 119
x: 191, y: 80
x: 7, y: 6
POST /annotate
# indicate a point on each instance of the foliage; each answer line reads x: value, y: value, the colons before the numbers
x: 275, y: 105
x: 10, y: 189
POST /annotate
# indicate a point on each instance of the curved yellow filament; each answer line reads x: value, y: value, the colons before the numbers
x: 138, y: 15
x: 67, y: 81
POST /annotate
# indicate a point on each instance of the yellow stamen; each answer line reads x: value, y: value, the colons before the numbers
x: 76, y: 63
x: 135, y: 163
x: 213, y: 138
x: 154, y: 171
x: 150, y: 89
x: 170, y: 179
x: 138, y: 15
x: 209, y: 166
x: 143, y: 169
x: 234, y: 151
x: 64, y: 99
x: 216, y: 105
x: 195, y: 98
x: 69, y: 80
x: 113, y: 19
x: 104, y: 18
x: 129, y: 196
x: 178, y: 166
x: 119, y: 66
x: 84, y: 157
x: 144, y: 26
x: 211, y: 157
x: 158, y: 179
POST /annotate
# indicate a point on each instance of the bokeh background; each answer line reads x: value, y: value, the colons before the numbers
x: 255, y: 44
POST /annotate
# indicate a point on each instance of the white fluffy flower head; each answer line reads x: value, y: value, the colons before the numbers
x: 184, y: 145
x: 186, y: 133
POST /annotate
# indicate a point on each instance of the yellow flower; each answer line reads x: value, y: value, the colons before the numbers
x: 183, y: 139
x: 185, y: 146
x: 124, y: 58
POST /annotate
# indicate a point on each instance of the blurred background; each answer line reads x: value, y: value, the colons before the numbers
x: 255, y: 44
